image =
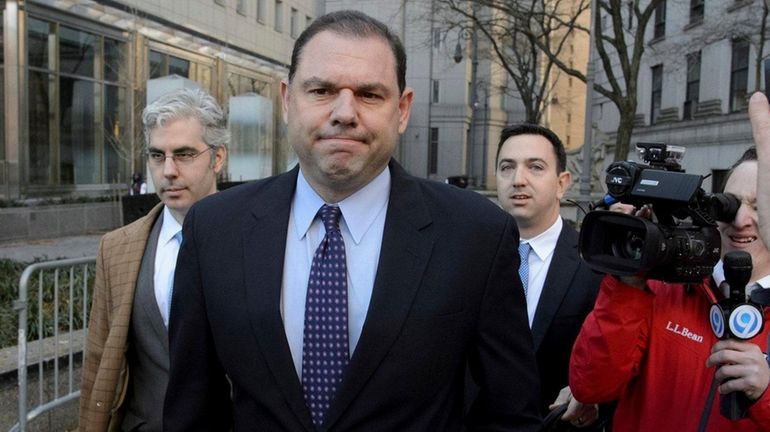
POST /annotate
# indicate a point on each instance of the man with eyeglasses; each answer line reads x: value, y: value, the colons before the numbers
x: 186, y: 134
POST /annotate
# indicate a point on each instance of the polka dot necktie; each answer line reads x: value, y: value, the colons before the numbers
x: 325, y: 352
x: 524, y: 249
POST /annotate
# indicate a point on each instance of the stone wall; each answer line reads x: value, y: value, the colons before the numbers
x: 50, y: 221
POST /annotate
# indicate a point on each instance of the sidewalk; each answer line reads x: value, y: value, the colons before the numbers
x: 51, y: 249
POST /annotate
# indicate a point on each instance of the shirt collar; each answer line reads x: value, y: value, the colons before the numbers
x: 719, y: 276
x: 545, y: 242
x: 358, y: 210
x: 169, y: 228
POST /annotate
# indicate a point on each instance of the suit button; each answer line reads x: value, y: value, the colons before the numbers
x: 99, y: 404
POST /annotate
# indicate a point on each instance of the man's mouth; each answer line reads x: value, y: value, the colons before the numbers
x: 519, y: 196
x: 743, y: 239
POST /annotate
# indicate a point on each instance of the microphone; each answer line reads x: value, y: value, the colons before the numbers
x: 737, y: 267
x: 605, y: 202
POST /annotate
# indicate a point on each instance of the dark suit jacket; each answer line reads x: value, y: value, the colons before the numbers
x: 569, y: 294
x: 445, y: 295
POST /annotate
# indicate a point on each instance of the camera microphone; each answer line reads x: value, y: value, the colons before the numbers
x: 605, y: 202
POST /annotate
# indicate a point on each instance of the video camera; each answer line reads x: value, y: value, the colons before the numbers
x: 682, y: 246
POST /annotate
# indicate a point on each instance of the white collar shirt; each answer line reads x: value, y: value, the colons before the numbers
x: 362, y: 225
x: 165, y: 263
x: 719, y: 276
x: 539, y: 261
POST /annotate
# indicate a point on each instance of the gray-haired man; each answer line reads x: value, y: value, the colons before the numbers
x: 186, y: 135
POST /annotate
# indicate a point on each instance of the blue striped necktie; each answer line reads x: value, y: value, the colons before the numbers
x: 524, y: 249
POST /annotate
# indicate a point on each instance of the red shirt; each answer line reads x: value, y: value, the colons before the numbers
x: 648, y: 349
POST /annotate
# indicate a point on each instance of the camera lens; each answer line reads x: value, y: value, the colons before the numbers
x: 629, y: 247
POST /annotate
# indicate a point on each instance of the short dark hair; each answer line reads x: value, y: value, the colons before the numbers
x: 535, y: 129
x: 352, y: 23
x: 748, y: 156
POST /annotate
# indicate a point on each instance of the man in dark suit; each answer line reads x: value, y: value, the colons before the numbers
x: 346, y: 295
x: 559, y: 287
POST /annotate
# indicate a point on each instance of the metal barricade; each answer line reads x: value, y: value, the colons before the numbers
x: 50, y: 331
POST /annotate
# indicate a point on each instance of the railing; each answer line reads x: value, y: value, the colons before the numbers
x: 52, y: 331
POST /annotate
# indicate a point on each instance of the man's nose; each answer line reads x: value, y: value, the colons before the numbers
x: 519, y: 177
x: 170, y: 168
x: 344, y: 110
x: 744, y: 216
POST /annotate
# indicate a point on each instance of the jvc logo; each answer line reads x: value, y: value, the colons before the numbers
x: 615, y: 180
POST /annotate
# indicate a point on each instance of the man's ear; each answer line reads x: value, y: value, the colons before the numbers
x: 405, y: 108
x: 564, y: 181
x: 285, y: 100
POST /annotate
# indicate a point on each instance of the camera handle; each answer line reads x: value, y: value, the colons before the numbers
x: 734, y: 317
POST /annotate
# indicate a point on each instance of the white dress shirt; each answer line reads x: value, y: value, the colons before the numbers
x: 719, y: 276
x: 540, y: 258
x: 165, y: 262
x: 362, y: 224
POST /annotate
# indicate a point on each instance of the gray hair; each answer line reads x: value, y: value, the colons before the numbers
x: 188, y: 103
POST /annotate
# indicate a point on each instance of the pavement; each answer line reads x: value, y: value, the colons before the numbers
x: 51, y: 249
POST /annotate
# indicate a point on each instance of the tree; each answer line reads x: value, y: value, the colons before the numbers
x: 544, y: 26
x: 622, y: 42
x: 513, y: 31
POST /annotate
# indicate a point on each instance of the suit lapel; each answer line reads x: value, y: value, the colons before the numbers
x: 264, y: 247
x: 145, y: 290
x: 406, y: 248
x: 132, y: 257
x: 557, y: 282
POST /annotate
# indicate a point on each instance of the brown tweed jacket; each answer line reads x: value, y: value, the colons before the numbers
x: 105, y: 372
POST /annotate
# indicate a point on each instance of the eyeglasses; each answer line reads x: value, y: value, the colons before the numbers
x: 185, y: 157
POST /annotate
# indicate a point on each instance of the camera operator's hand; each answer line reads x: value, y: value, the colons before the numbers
x: 643, y: 212
x: 579, y: 414
x: 741, y: 367
x: 759, y: 114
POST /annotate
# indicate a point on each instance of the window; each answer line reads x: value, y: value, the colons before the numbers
x: 433, y: 152
x: 251, y: 124
x: 78, y: 110
x: 718, y: 179
x: 436, y: 38
x: 294, y: 23
x: 434, y: 94
x: 278, y: 24
x: 240, y: 7
x: 739, y: 75
x: 693, y: 85
x: 162, y: 64
x: 239, y: 84
x: 660, y: 21
x: 261, y: 12
x: 697, y: 8
x: 657, y: 92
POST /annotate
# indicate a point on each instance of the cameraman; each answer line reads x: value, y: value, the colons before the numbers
x: 649, y: 343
